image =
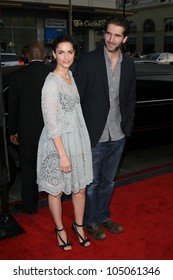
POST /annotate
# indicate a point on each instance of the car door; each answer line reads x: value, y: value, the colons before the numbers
x: 154, y: 97
x: 163, y: 58
x: 170, y: 58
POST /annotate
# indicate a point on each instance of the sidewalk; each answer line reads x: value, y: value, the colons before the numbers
x: 142, y: 164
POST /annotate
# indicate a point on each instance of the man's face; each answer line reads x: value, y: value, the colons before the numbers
x: 114, y: 38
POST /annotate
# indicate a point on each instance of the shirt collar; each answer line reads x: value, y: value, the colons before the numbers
x: 108, y: 58
x: 36, y: 60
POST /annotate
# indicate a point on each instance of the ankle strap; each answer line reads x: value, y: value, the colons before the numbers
x: 78, y: 225
x: 59, y: 229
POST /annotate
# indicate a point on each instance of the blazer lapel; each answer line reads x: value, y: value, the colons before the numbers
x: 100, y: 62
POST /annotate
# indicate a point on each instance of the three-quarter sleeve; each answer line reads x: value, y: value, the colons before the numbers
x: 53, y: 114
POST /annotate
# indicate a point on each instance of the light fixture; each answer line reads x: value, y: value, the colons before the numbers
x: 58, y: 7
x: 11, y: 4
x: 112, y: 12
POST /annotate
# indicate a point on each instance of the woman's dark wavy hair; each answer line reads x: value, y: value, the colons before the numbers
x: 61, y: 39
x: 118, y: 21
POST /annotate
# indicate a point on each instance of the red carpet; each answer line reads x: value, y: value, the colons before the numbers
x: 144, y: 208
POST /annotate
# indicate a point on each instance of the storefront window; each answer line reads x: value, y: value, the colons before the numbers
x: 23, y: 37
x: 5, y: 35
x: 17, y: 33
x: 78, y: 40
x: 24, y: 22
x: 6, y: 21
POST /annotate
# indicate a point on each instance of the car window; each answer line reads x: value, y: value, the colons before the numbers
x: 152, y: 56
x: 170, y: 56
x: 8, y: 58
x: 162, y: 56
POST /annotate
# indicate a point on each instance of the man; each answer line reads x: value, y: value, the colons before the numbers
x: 25, y: 120
x: 106, y: 82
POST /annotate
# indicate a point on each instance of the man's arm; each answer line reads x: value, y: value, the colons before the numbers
x: 80, y: 76
x: 13, y: 106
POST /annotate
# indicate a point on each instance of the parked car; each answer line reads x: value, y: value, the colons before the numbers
x: 165, y: 58
x: 153, y: 109
x: 142, y: 61
x: 10, y: 59
x: 154, y: 97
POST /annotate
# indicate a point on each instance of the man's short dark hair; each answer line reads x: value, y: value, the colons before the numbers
x: 118, y: 21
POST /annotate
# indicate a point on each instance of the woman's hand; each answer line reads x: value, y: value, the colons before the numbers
x: 65, y: 164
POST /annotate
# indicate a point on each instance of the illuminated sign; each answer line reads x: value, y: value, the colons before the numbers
x: 88, y: 23
x: 55, y: 23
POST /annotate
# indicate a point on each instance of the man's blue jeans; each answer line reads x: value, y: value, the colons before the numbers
x: 106, y: 158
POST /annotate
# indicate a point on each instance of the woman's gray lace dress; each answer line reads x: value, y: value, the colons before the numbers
x: 63, y: 116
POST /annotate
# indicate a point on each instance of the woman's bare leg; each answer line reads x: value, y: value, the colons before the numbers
x: 78, y: 200
x: 55, y: 207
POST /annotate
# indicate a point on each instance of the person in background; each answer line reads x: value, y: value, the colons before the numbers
x: 25, y: 120
x: 24, y: 55
x: 64, y: 162
x: 106, y: 82
x: 127, y: 52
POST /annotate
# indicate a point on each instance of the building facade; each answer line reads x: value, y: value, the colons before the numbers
x: 151, y: 23
x: 151, y: 26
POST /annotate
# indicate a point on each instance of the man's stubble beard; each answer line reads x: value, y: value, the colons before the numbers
x: 115, y: 49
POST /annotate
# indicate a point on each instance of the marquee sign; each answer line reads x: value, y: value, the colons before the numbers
x: 88, y: 23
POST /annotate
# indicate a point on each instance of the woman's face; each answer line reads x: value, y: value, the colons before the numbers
x: 64, y: 54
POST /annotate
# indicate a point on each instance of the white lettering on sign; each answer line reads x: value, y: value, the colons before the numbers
x: 88, y: 23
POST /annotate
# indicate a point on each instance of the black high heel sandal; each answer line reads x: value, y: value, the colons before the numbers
x: 84, y: 240
x: 65, y: 244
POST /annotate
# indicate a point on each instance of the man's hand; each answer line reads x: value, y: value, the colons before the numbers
x: 14, y: 139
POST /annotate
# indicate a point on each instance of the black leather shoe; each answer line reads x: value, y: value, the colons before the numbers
x: 112, y: 226
x: 2, y: 232
x: 95, y: 232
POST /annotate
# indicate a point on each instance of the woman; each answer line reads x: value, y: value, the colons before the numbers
x: 64, y: 152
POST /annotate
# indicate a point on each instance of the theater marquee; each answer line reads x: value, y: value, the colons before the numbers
x: 88, y: 23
